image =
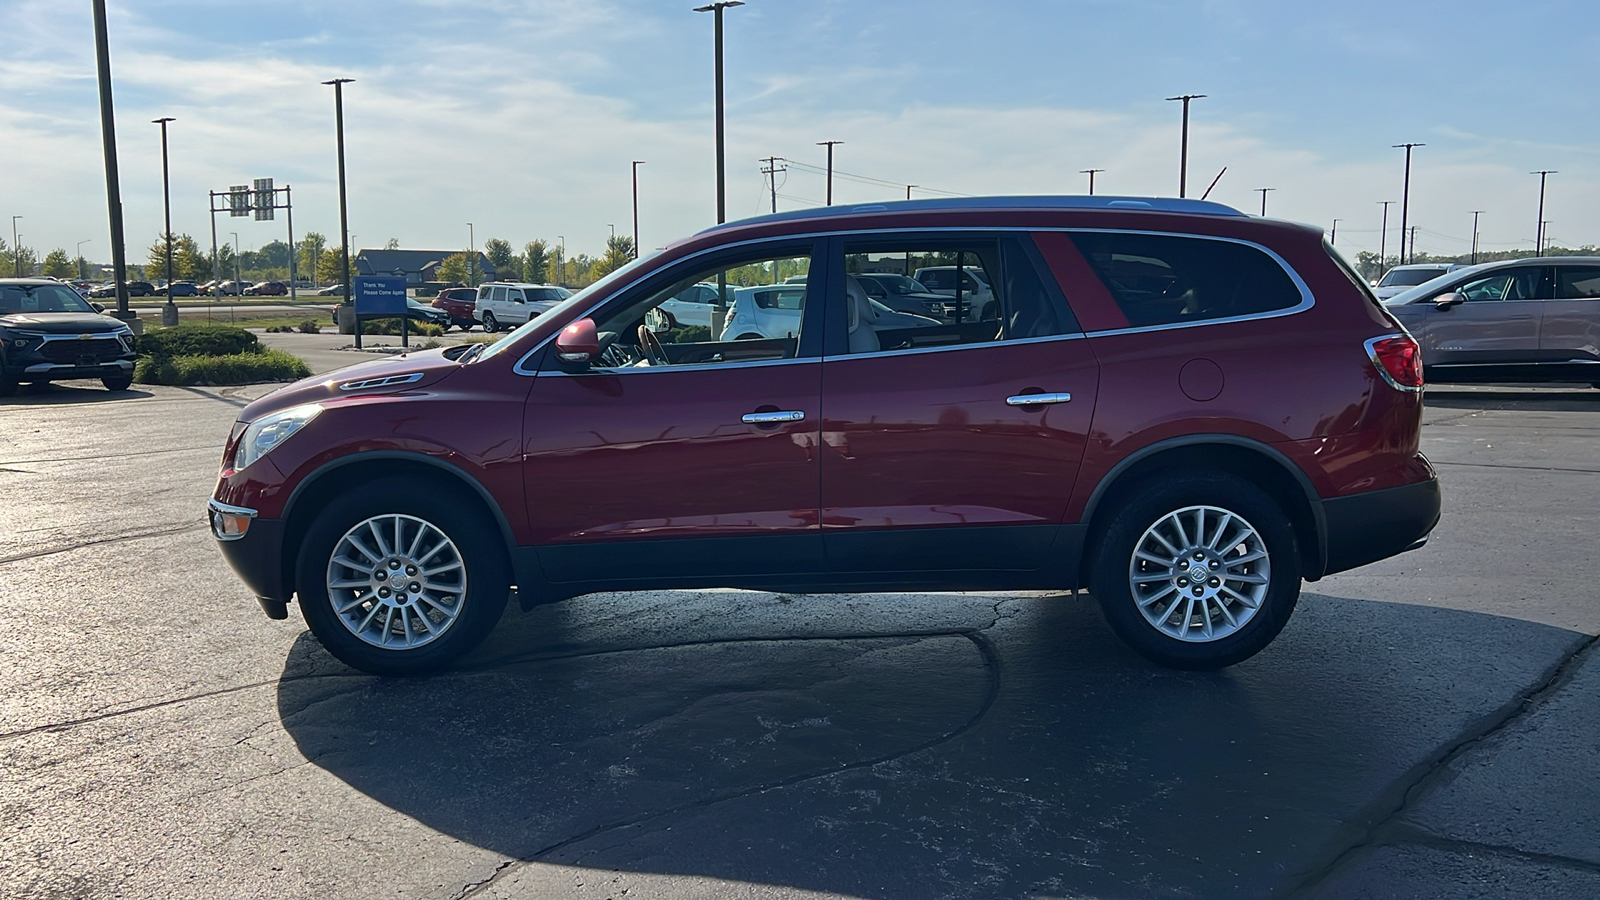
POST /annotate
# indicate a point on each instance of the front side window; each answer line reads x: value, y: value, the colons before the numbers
x: 1573, y: 283
x: 1506, y: 284
x: 757, y: 314
x: 515, y: 295
x: 1168, y: 279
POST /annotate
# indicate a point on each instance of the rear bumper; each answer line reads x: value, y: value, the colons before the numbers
x: 1365, y: 528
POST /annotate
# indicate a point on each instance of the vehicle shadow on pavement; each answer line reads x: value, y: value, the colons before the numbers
x: 1579, y: 399
x: 947, y: 745
x: 55, y: 393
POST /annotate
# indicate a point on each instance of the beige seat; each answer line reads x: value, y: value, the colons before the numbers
x: 860, y: 317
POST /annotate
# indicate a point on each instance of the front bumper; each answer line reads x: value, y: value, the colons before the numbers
x: 1364, y: 528
x: 255, y: 553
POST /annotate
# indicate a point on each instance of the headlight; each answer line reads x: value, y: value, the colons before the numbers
x: 269, y: 431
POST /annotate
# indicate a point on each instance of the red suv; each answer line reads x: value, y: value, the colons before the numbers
x: 458, y: 303
x: 1185, y: 409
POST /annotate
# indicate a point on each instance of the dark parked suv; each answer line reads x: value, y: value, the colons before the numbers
x: 48, y: 332
x: 1185, y: 409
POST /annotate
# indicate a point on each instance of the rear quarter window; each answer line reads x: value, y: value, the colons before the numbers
x: 1170, y: 279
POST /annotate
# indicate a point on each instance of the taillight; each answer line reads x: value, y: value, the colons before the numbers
x: 1398, y: 359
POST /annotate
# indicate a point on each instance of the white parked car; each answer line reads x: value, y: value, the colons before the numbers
x: 977, y: 297
x: 1400, y: 278
x: 693, y: 305
x: 511, y: 304
x: 773, y: 311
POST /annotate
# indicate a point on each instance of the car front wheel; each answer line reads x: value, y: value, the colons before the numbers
x: 489, y: 323
x: 394, y: 581
x: 117, y: 382
x: 1198, y: 572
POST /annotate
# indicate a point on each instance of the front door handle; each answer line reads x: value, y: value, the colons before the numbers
x: 773, y: 418
x: 1037, y: 399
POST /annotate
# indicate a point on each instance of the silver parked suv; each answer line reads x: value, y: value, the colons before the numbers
x: 1516, y: 320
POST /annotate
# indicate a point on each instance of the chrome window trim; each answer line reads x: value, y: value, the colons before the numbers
x: 696, y: 367
x: 1307, y: 300
x: 950, y: 347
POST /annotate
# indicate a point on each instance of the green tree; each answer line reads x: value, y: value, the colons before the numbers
x: 536, y: 262
x: 226, y: 258
x: 22, y: 260
x: 619, y: 252
x: 502, y: 256
x: 392, y: 244
x: 311, y: 246
x: 189, y: 263
x: 330, y: 267
x: 57, y: 265
x: 454, y: 269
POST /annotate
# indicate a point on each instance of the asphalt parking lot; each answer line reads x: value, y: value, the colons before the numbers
x: 1424, y: 727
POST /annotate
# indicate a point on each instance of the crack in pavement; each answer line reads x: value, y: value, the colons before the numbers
x: 1373, y: 825
x: 1512, y: 466
x: 1411, y: 835
x: 121, y: 455
x: 130, y: 536
x: 993, y: 666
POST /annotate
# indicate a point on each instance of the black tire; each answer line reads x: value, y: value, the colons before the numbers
x: 489, y: 323
x: 117, y: 382
x: 481, y: 553
x: 1113, y: 561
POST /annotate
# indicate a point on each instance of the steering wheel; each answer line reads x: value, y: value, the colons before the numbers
x: 650, y: 346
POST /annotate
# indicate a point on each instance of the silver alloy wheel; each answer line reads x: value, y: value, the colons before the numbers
x: 396, y: 581
x: 1199, y: 573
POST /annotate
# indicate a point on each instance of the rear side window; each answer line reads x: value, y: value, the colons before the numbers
x: 1578, y: 284
x: 1168, y: 280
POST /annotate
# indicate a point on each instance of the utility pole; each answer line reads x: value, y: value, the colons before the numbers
x: 1405, y: 202
x: 722, y: 195
x: 108, y: 136
x: 1263, y: 193
x: 472, y: 256
x: 16, y: 249
x: 908, y: 190
x: 169, y: 313
x: 344, y: 216
x: 1183, y: 153
x: 1090, y: 173
x: 830, y: 146
x: 771, y: 171
x: 1475, y: 214
x: 1333, y: 234
x: 1413, y: 253
x: 1538, y: 241
x: 237, y: 275
x: 636, y: 164
x: 561, y: 252
x: 1383, y: 237
x: 1544, y: 229
x: 82, y: 275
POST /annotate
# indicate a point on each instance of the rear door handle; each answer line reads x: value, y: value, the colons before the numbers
x: 773, y: 418
x: 1037, y: 399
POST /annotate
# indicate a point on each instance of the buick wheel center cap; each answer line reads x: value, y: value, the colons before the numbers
x: 397, y: 581
x: 1197, y: 572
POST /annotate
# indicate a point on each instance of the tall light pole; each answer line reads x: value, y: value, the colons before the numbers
x: 472, y: 255
x: 237, y: 275
x: 1383, y: 237
x: 1405, y: 201
x: 1475, y: 214
x: 108, y: 137
x: 344, y: 211
x: 169, y: 314
x: 16, y: 248
x: 561, y: 254
x: 1538, y: 241
x: 82, y: 272
x: 636, y: 164
x: 716, y: 10
x: 1263, y: 193
x: 1333, y: 234
x: 1183, y: 153
x: 1090, y: 173
x: 829, y: 145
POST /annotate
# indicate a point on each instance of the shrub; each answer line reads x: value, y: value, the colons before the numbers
x: 392, y: 326
x: 197, y: 340
x: 309, y: 327
x: 238, y: 368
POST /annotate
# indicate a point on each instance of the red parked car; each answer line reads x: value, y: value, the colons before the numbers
x: 1183, y: 408
x: 458, y: 303
x: 267, y: 289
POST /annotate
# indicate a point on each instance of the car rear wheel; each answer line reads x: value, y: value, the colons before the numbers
x: 117, y: 382
x: 1199, y: 572
x: 393, y: 581
x: 489, y: 324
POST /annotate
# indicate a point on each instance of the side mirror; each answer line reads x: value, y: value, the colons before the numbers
x: 98, y: 307
x: 1445, y: 301
x: 657, y: 321
x: 578, y: 343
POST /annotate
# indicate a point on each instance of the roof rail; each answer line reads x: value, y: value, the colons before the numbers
x: 1047, y: 201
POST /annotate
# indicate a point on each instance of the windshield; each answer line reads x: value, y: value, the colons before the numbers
x: 41, y: 298
x: 900, y: 284
x: 582, y: 298
x: 1428, y: 288
x: 1406, y: 277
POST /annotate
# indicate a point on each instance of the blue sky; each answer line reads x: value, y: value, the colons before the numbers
x: 523, y: 117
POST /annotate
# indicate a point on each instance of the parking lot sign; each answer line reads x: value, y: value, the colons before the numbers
x: 377, y: 296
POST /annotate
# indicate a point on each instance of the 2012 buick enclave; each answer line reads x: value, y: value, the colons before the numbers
x: 1185, y: 409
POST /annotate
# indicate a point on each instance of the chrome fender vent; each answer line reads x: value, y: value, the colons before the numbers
x: 385, y: 381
